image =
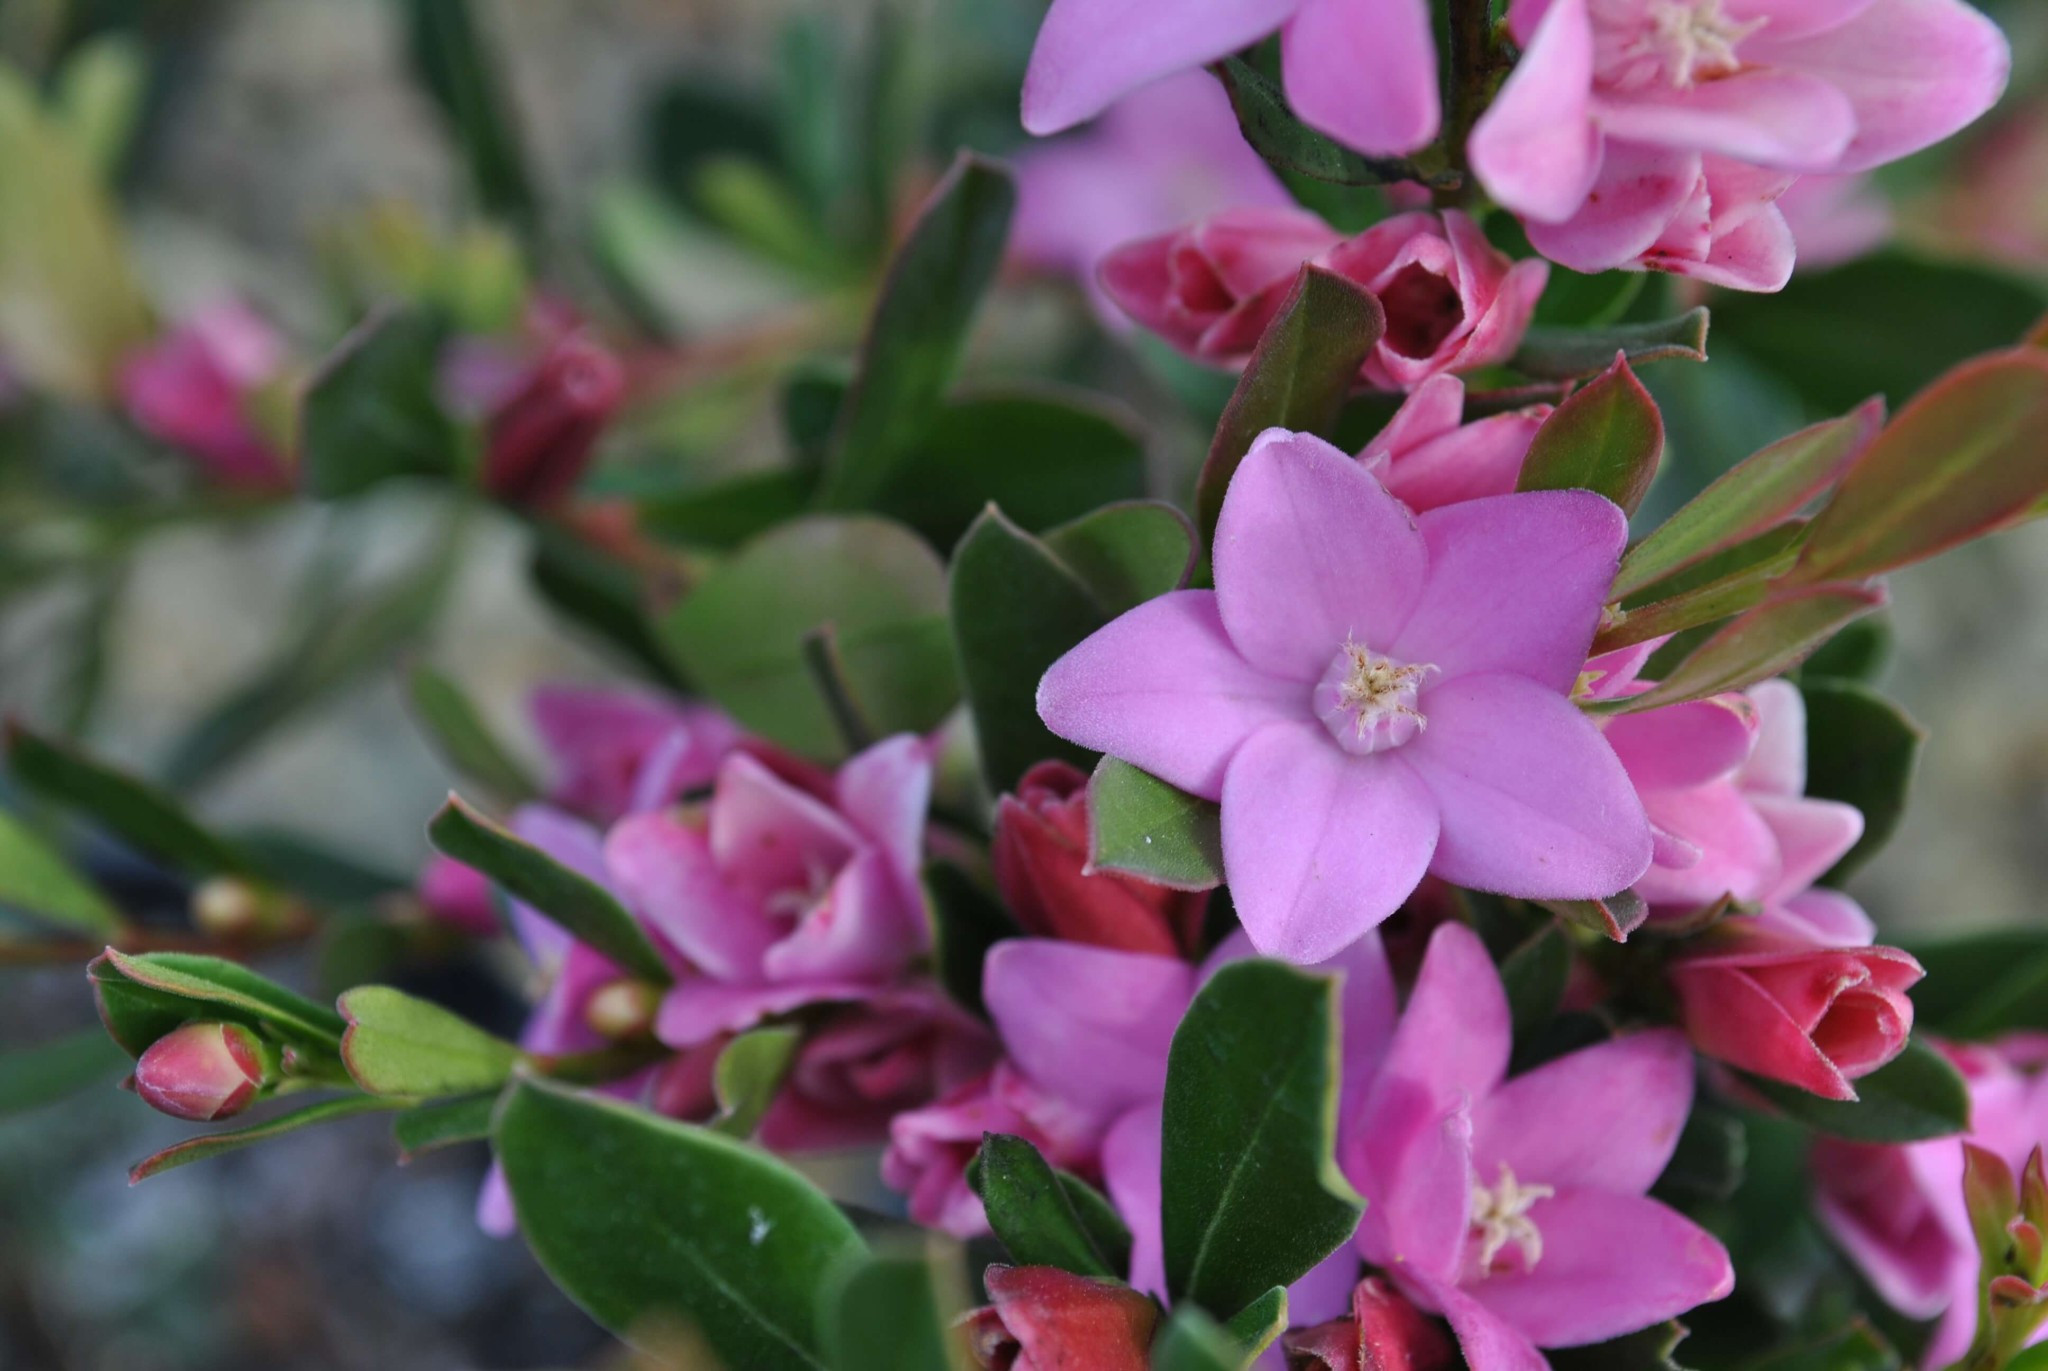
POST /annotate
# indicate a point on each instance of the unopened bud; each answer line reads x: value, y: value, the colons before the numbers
x: 1990, y: 1199
x: 542, y: 437
x: 204, y: 1071
x: 623, y: 1009
x: 231, y: 907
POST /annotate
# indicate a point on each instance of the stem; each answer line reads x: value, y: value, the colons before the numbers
x: 821, y: 656
x: 1473, y: 66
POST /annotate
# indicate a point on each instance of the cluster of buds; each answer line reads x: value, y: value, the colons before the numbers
x: 2008, y: 1220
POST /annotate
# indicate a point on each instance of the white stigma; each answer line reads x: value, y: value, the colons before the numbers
x: 1500, y: 1216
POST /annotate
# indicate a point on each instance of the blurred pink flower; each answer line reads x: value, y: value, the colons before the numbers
x: 458, y: 895
x: 1428, y: 456
x: 191, y: 389
x: 618, y: 750
x: 1836, y: 219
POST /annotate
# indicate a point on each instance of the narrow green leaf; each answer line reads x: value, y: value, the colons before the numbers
x: 1694, y: 601
x: 1259, y: 1324
x: 1917, y: 1095
x: 225, y: 989
x: 1286, y: 143
x: 529, y: 875
x: 1140, y: 825
x: 1607, y: 437
x: 1304, y: 366
x: 1029, y: 1210
x: 137, y: 812
x: 1106, y: 1228
x: 1128, y: 553
x: 966, y: 920
x: 1192, y: 1341
x: 31, y: 1077
x: 637, y: 1217
x: 1860, y: 749
x: 370, y: 413
x: 459, y: 70
x: 1560, y: 354
x: 1772, y: 638
x: 894, y: 1312
x: 399, y: 1045
x: 458, y: 731
x: 749, y: 1072
x: 443, y: 1123
x: 35, y: 881
x: 1253, y: 1196
x: 234, y: 1140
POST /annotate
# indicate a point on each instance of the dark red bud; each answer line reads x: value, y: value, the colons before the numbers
x: 1384, y: 1333
x: 204, y: 1071
x: 542, y: 438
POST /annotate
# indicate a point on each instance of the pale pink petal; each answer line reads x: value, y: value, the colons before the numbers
x: 1163, y: 688
x: 1515, y: 583
x: 1607, y: 1116
x: 1534, y: 803
x: 1687, y: 744
x: 1090, y: 52
x: 494, y: 1204
x: 1454, y: 1036
x: 1758, y: 255
x: 1812, y: 836
x: 1130, y: 1173
x: 1489, y: 1342
x: 1320, y: 846
x: 1252, y: 247
x: 1432, y: 410
x: 859, y: 930
x: 1364, y: 72
x: 1778, y: 765
x: 1091, y: 1023
x: 1536, y: 149
x: 664, y: 871
x: 1784, y: 119
x: 1640, y: 188
x: 1469, y: 463
x: 1311, y: 552
x: 1613, y: 674
x: 1738, y: 854
x: 696, y: 1010
x: 1794, y: 18
x: 1825, y: 917
x: 767, y: 836
x: 1612, y: 1264
x: 884, y: 793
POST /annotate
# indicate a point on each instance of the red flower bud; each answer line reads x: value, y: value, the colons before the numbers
x: 1384, y: 1333
x: 1041, y: 866
x: 1045, y: 1319
x: 542, y: 437
x: 204, y: 1071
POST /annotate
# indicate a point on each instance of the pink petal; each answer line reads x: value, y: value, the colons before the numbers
x: 1320, y: 846
x: 1758, y: 256
x: 1794, y: 18
x: 861, y: 929
x: 1515, y: 583
x: 1536, y: 149
x: 1733, y: 1019
x: 1364, y: 72
x: 1311, y: 552
x: 1738, y: 855
x: 1612, y: 1264
x: 1812, y: 836
x: 1498, y: 330
x: 1534, y: 803
x: 1469, y: 463
x: 1091, y: 1024
x: 884, y: 793
x: 1826, y: 917
x: 1913, y: 71
x: 1640, y: 188
x: 768, y: 836
x: 697, y: 1010
x: 1454, y: 1036
x: 1778, y: 764
x: 1411, y: 1158
x: 1163, y: 688
x: 1684, y: 745
x: 1090, y: 52
x: 664, y: 871
x: 1784, y: 119
x: 494, y: 1204
x: 1489, y: 1342
x: 1607, y: 1116
x: 1131, y: 1175
x: 1433, y: 410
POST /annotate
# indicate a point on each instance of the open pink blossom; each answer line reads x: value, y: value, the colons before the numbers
x: 1428, y: 456
x: 192, y: 388
x: 1373, y: 695
x: 1362, y: 71
x: 1211, y: 288
x: 1517, y: 1208
x: 617, y: 751
x: 1624, y: 124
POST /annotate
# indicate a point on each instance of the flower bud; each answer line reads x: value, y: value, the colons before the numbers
x: 231, y: 907
x: 1384, y: 1332
x: 542, y: 437
x: 1042, y: 1319
x: 204, y: 1071
x: 623, y: 1009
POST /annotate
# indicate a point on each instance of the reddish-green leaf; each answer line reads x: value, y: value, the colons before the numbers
x: 216, y: 1144
x: 1774, y: 637
x: 1607, y: 438
x: 1725, y: 584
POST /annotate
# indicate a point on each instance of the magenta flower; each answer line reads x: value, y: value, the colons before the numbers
x: 1211, y: 288
x: 1428, y: 456
x: 1362, y: 71
x: 1373, y: 696
x: 618, y: 751
x: 1620, y: 130
x: 1517, y: 1208
x: 192, y: 389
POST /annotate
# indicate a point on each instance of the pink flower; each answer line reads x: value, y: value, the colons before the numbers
x: 1211, y: 288
x: 1362, y: 71
x: 1382, y: 1332
x: 1836, y: 219
x: 1040, y: 851
x: 1373, y: 696
x: 1898, y: 1211
x: 1629, y: 121
x: 1781, y: 1007
x: 458, y: 895
x: 1044, y: 1319
x: 192, y: 389
x: 204, y: 1071
x: 544, y: 434
x: 1428, y: 456
x: 618, y: 751
x: 1516, y: 1208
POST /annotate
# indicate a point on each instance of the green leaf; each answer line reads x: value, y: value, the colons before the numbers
x: 1962, y: 460
x: 1770, y: 639
x: 740, y: 634
x: 599, y: 594
x: 894, y: 1312
x: 1252, y: 1194
x: 1304, y: 366
x: 234, y: 1140
x: 370, y: 413
x: 1106, y: 1227
x: 99, y: 92
x: 459, y: 733
x: 1287, y: 144
x: 1259, y: 1324
x: 399, y: 1045
x: 749, y: 1072
x: 458, y: 69
x: 1614, y: 917
x: 1029, y: 1210
x: 1860, y: 749
x: 1983, y: 985
x: 1015, y: 611
x: 1192, y: 1341
x: 1534, y: 977
x: 640, y: 1219
x: 142, y: 997
x: 726, y: 513
x: 1607, y: 437
x: 574, y: 901
x: 1917, y: 1095
x: 1561, y: 354
x: 1741, y: 590
x: 443, y: 1123
x: 1856, y: 655
x: 31, y: 1077
x: 1762, y: 491
x: 1127, y: 554
x: 35, y: 881
x: 1140, y: 825
x: 2033, y: 1358
x: 966, y: 922
x: 140, y: 814
x: 919, y: 329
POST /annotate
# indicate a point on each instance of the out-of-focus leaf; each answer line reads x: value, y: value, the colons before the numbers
x: 894, y: 1311
x: 727, y: 513
x: 600, y: 595
x: 1772, y: 638
x: 1614, y: 917
x: 397, y: 1044
x: 1287, y: 144
x: 755, y: 206
x: 1860, y: 749
x: 219, y: 1144
x: 1126, y: 554
x: 1029, y: 1210
x: 1607, y: 437
x: 1534, y: 976
x: 1140, y: 825
x: 459, y: 733
x: 1983, y: 985
x: 371, y: 413
x: 35, y: 881
x: 1707, y: 1165
x: 31, y: 1077
x: 1857, y: 654
x: 315, y: 872
x: 1192, y: 1341
x: 443, y: 1123
x: 966, y: 922
x: 459, y: 69
x: 140, y: 814
x: 1918, y: 1095
x: 1560, y: 354
x: 1649, y: 1350
x: 748, y: 1073
x: 679, y: 277
x: 1857, y: 1347
x: 98, y: 96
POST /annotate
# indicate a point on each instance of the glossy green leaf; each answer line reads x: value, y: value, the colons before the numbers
x: 1772, y: 638
x: 881, y: 589
x: 399, y: 1045
x: 1860, y: 749
x: 1252, y: 1194
x: 1561, y: 354
x: 1917, y: 1095
x: 748, y: 1073
x: 966, y: 920
x: 726, y: 513
x: 1607, y: 437
x: 1304, y: 366
x: 919, y: 328
x: 1963, y: 459
x: 1140, y: 825
x: 641, y: 1219
x: 575, y: 902
x: 1015, y: 611
x: 1762, y: 491
x: 1259, y: 1324
x: 1029, y: 1210
x: 443, y: 1123
x: 44, y: 1073
x: 1126, y: 554
x: 1983, y: 985
x: 1192, y: 1341
x: 459, y: 69
x: 139, y: 813
x: 370, y: 414
x: 451, y: 721
x: 37, y: 882
x: 142, y: 997
x: 1708, y: 1165
x: 894, y: 1311
x: 234, y: 1140
x: 1286, y: 143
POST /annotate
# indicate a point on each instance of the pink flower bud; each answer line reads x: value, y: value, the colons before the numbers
x: 542, y: 437
x: 1045, y: 1319
x: 204, y: 1071
x: 1041, y: 864
x: 192, y: 388
x: 1210, y: 289
x: 1814, y: 1017
x: 1384, y: 1332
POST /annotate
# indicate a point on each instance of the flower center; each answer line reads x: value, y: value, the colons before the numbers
x: 1500, y: 1217
x: 1678, y: 43
x: 796, y: 903
x: 1367, y: 701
